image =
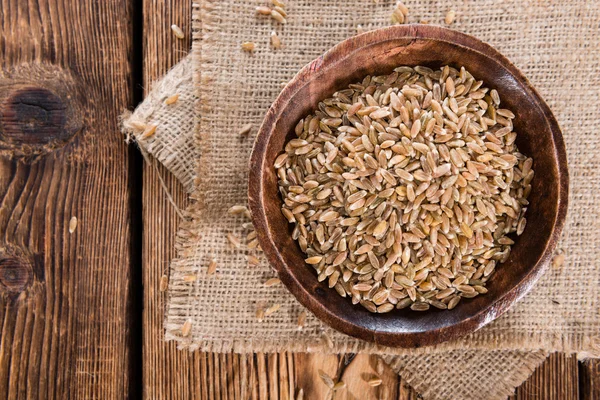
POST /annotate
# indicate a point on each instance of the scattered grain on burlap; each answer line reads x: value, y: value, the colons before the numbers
x: 167, y: 112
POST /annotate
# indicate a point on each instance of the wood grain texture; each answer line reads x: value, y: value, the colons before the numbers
x: 556, y: 379
x: 589, y: 376
x: 167, y: 372
x: 64, y: 297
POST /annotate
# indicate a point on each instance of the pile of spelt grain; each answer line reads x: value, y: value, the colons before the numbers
x: 403, y: 188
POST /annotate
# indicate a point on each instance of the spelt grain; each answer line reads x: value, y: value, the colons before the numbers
x: 558, y: 261
x: 177, y: 31
x: 253, y: 260
x: 72, y: 224
x: 246, y: 129
x: 164, y: 283
x: 263, y: 10
x: 405, y: 187
x: 278, y: 17
x: 275, y: 41
x: 186, y: 328
x: 327, y: 380
x: 272, y: 309
x: 172, y: 99
x: 272, y: 282
x: 248, y: 46
x: 375, y: 382
x: 234, y: 240
x: 237, y: 210
x: 212, y: 267
x: 148, y: 132
x: 301, y: 319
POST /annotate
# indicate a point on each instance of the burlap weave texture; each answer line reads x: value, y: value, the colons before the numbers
x: 172, y: 143
x: 235, y: 88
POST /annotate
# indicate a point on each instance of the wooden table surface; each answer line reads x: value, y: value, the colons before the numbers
x: 81, y: 313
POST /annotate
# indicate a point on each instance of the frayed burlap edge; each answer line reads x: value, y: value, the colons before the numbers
x: 415, y: 371
x: 172, y: 142
x: 533, y: 342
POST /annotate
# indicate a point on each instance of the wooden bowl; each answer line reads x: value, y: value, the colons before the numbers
x: 378, y: 52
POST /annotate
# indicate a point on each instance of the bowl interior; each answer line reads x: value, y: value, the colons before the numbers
x: 372, y: 55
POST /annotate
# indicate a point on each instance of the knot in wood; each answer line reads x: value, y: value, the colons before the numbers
x: 16, y: 274
x: 33, y: 116
x: 42, y: 108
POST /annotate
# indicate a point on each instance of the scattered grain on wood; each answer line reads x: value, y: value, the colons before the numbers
x: 300, y: 395
x: 72, y: 224
x: 375, y: 381
x: 177, y: 31
x: 164, y: 283
x: 327, y: 380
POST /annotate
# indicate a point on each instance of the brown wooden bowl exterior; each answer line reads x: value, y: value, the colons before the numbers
x: 378, y: 52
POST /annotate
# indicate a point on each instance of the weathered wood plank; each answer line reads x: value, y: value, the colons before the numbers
x: 556, y: 379
x: 168, y: 372
x: 65, y: 76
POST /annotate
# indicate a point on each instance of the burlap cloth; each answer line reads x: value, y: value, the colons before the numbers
x: 552, y: 42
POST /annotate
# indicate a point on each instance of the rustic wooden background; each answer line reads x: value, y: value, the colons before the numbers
x: 81, y: 313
